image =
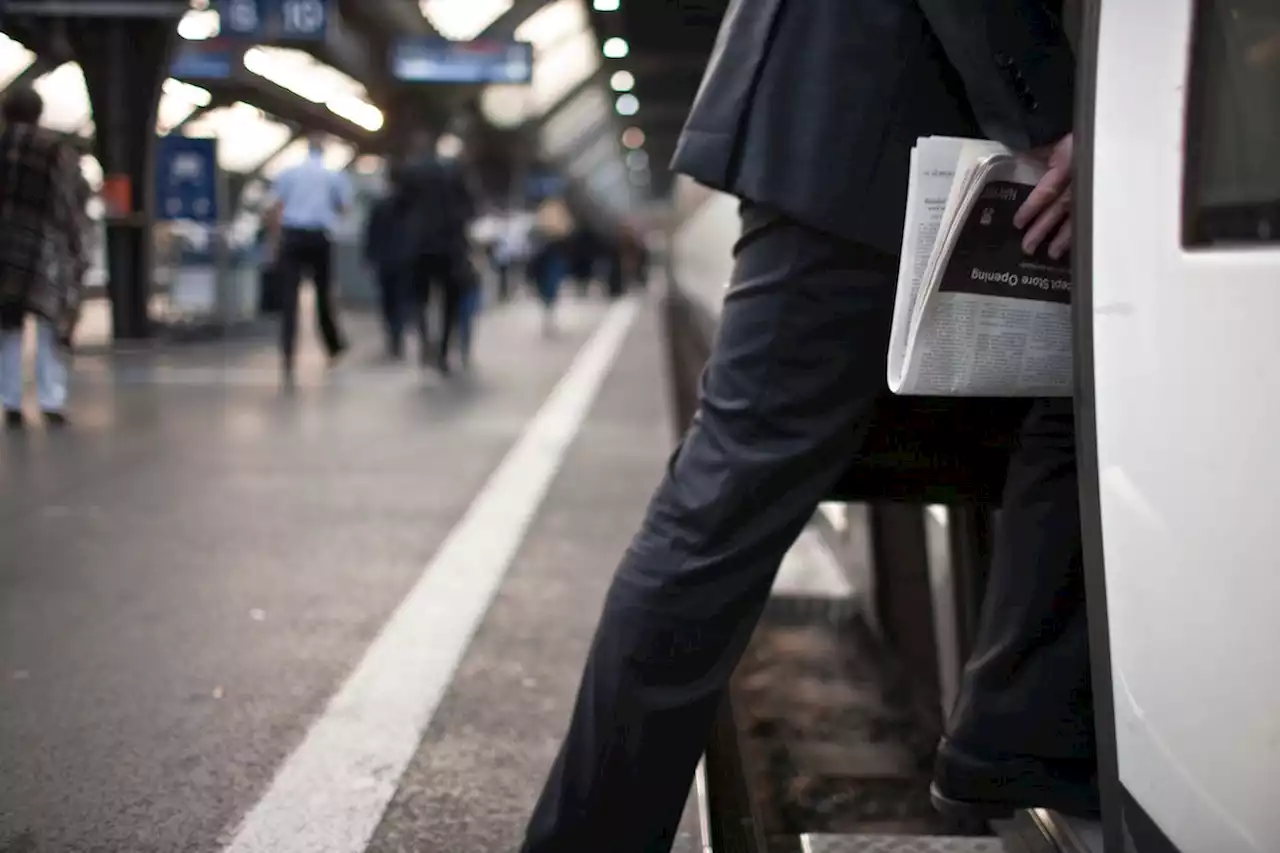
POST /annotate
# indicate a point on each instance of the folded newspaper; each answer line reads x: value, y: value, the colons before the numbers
x: 975, y: 315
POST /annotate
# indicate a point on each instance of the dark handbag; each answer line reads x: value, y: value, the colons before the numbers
x: 934, y: 450
x: 269, y: 296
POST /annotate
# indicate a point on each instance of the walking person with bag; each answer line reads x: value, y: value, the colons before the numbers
x: 381, y: 249
x: 435, y: 250
x: 43, y: 254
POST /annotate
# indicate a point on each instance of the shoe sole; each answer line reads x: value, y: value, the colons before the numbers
x: 968, y: 810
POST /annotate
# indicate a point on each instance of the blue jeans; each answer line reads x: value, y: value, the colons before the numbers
x: 51, y: 369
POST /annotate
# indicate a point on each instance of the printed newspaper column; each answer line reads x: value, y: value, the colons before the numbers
x: 1011, y: 312
x: 975, y: 315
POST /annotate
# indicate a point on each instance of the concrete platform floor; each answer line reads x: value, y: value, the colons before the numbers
x: 347, y: 619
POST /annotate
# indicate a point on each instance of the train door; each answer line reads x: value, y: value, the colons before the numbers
x: 1178, y: 362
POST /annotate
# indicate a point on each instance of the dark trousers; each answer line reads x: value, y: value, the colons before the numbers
x: 504, y: 281
x: 799, y: 355
x: 392, y: 301
x: 440, y: 272
x: 301, y: 252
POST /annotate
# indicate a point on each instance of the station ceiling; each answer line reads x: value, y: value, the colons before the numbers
x: 668, y: 45
x: 571, y: 119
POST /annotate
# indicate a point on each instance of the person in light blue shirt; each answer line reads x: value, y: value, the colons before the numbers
x: 309, y: 201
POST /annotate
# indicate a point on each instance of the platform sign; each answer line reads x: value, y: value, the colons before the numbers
x: 267, y: 21
x: 96, y: 8
x: 187, y: 179
x: 542, y: 185
x: 204, y: 60
x: 435, y: 60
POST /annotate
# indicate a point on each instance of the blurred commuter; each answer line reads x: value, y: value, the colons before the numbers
x: 552, y: 259
x: 267, y: 247
x: 635, y: 257
x: 438, y: 207
x: 469, y: 305
x: 381, y: 248
x: 510, y: 248
x: 582, y: 250
x: 808, y: 112
x: 309, y: 200
x: 616, y: 280
x: 43, y: 254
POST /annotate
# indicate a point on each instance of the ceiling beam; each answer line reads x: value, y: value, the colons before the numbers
x: 279, y: 101
x: 216, y: 100
x: 350, y: 51
x: 390, y: 17
x: 37, y: 69
x: 660, y: 113
x: 595, y: 79
x: 506, y: 24
x: 657, y: 64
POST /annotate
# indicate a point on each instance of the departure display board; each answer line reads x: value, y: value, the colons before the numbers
x: 426, y: 60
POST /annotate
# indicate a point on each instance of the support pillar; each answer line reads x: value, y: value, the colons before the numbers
x: 125, y: 62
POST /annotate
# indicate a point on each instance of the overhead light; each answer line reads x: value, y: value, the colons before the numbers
x: 197, y: 25
x: 505, y: 106
x: 627, y: 105
x: 616, y: 48
x: 622, y: 81
x: 606, y: 5
x: 449, y: 146
x: 462, y: 21
x: 633, y: 138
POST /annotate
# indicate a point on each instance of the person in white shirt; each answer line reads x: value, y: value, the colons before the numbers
x: 309, y: 201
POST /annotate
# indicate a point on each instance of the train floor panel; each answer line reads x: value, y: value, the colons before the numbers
x: 1029, y: 832
x: 903, y: 844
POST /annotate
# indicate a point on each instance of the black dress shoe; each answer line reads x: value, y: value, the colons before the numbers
x: 55, y: 419
x: 13, y: 419
x: 969, y: 786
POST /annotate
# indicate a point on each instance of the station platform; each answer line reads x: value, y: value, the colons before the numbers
x: 347, y: 619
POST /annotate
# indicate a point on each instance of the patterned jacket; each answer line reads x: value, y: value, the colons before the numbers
x: 43, y: 252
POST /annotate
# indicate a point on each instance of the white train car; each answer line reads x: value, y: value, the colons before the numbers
x: 1178, y: 261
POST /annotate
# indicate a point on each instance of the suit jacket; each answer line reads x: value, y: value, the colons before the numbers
x: 812, y: 107
x: 436, y: 206
x: 43, y: 251
x: 380, y: 233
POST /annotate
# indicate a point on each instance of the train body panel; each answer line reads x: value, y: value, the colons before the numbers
x: 1185, y: 358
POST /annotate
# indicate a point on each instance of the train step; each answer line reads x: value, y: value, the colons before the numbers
x: 1048, y: 831
x: 902, y: 844
x: 1030, y: 832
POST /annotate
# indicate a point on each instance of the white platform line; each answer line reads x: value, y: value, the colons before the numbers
x: 330, y: 794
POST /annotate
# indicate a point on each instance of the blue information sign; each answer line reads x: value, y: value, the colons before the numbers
x: 187, y: 179
x: 543, y: 185
x: 275, y: 20
x: 203, y: 60
x: 418, y: 60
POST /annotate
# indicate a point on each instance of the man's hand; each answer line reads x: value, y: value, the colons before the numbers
x: 1049, y: 205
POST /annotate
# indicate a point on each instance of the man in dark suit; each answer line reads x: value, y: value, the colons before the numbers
x: 437, y: 208
x: 808, y: 112
x: 380, y: 245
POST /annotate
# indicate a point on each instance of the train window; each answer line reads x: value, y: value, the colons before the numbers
x: 1232, y: 177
